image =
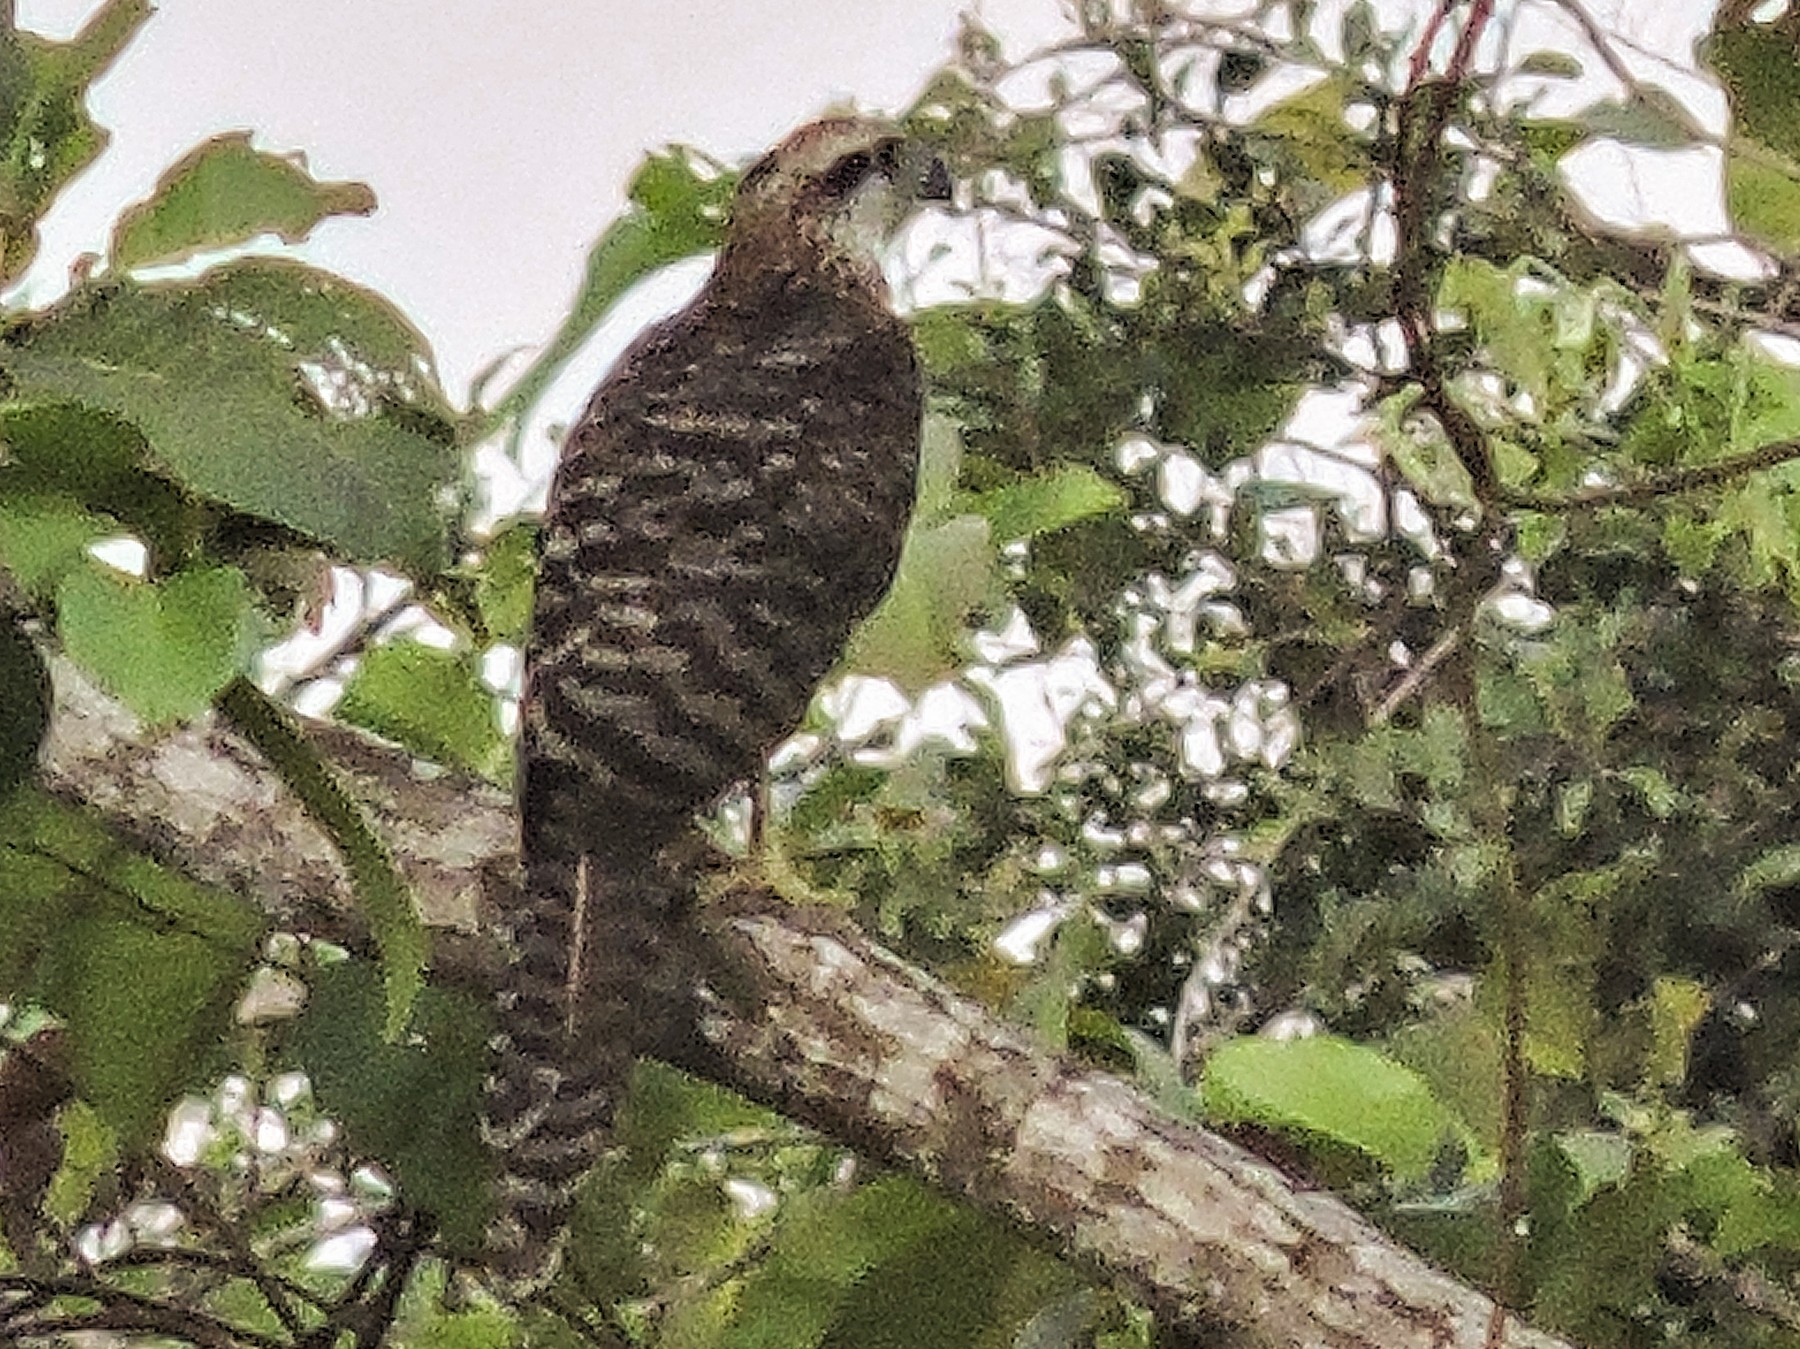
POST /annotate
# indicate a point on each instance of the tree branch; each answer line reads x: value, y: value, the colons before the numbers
x: 805, y: 1013
x: 1671, y: 482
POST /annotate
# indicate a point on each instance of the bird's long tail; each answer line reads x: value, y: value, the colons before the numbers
x: 596, y: 977
x: 553, y: 1090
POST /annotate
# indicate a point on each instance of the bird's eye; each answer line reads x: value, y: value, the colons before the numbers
x: 845, y: 175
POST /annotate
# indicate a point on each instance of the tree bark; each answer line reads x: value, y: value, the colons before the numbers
x: 810, y: 1016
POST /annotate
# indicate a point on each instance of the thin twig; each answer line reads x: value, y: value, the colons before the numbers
x: 274, y: 1289
x: 1672, y: 482
x: 123, y: 1311
x: 1435, y: 655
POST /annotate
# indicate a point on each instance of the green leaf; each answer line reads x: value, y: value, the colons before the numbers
x: 1312, y: 125
x: 1330, y: 1089
x: 1559, y: 1014
x: 1757, y: 67
x: 1572, y: 802
x: 946, y: 570
x: 90, y: 1153
x: 1659, y: 795
x: 825, y: 1244
x: 165, y: 648
x: 140, y: 1006
x: 1599, y: 1159
x: 412, y: 1105
x: 1762, y: 190
x: 45, y: 131
x: 45, y: 537
x: 381, y: 892
x: 141, y: 964
x: 972, y: 1285
x: 24, y: 704
x: 676, y: 211
x: 1552, y: 64
x: 1649, y: 118
x: 1759, y: 1212
x: 1676, y: 1007
x: 219, y: 376
x: 1054, y: 498
x: 66, y: 447
x: 430, y: 1320
x: 1776, y: 869
x: 225, y: 192
x: 432, y: 702
x: 103, y: 462
x: 504, y: 578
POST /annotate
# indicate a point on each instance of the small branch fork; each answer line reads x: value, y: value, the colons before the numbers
x: 1424, y: 118
x: 37, y: 1308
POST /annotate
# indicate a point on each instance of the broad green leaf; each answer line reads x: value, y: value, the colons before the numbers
x: 320, y: 317
x: 432, y: 702
x: 1692, y: 543
x: 142, y: 1007
x: 824, y: 1245
x: 45, y: 131
x: 946, y: 341
x: 45, y: 537
x: 411, y: 1105
x: 1776, y: 869
x: 946, y: 570
x: 1539, y: 332
x: 1762, y: 190
x: 973, y: 1285
x: 381, y: 892
x: 1055, y: 498
x: 1559, y: 1017
x: 1757, y: 67
x: 225, y: 192
x: 1676, y: 1007
x: 675, y: 211
x: 429, y: 1320
x: 504, y: 577
x: 222, y: 377
x: 66, y: 447
x: 1659, y: 795
x: 1599, y: 1159
x: 1312, y: 125
x: 39, y: 891
x: 163, y: 648
x: 1438, y: 750
x: 141, y: 964
x: 1572, y: 802
x: 51, y: 453
x: 41, y: 828
x: 1649, y: 118
x: 90, y: 1152
x: 24, y: 703
x: 1757, y: 1211
x: 1330, y: 1089
x: 1551, y: 64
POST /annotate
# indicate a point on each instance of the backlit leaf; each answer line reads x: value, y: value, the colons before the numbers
x: 225, y: 192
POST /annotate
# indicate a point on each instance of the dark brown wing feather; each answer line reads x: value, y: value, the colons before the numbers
x: 730, y: 505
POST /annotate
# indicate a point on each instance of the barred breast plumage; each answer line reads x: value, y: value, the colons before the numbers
x: 729, y: 506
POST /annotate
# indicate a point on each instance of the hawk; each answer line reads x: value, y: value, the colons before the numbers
x: 729, y: 506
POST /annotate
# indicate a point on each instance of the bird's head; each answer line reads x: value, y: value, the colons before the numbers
x: 833, y: 193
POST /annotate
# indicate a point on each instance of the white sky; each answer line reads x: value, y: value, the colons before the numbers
x: 498, y: 136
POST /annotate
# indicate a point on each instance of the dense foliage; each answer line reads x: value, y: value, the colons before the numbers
x: 1351, y: 599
